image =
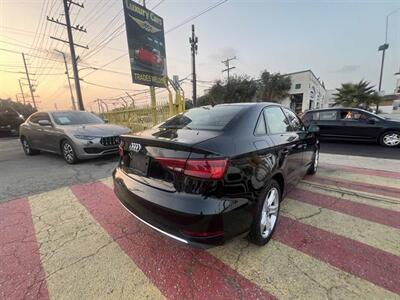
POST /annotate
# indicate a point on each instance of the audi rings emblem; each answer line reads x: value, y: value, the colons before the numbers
x: 135, y: 147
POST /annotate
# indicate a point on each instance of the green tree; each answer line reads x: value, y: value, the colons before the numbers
x: 273, y: 87
x: 238, y: 89
x: 361, y: 94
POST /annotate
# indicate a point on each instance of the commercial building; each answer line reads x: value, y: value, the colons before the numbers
x: 307, y: 92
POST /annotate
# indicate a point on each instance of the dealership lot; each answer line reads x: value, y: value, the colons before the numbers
x: 64, y: 235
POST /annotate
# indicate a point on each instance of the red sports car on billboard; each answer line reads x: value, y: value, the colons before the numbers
x: 149, y: 57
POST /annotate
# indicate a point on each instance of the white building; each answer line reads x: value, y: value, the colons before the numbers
x: 306, y: 92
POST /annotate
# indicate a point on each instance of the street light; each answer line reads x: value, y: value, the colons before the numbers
x: 383, y: 48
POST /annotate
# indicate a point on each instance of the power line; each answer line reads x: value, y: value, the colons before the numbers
x: 197, y: 15
x: 172, y: 29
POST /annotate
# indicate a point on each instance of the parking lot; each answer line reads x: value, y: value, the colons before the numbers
x: 65, y: 236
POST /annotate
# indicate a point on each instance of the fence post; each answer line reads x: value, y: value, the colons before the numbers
x: 153, y: 105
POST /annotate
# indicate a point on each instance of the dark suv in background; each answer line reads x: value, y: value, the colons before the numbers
x: 354, y: 124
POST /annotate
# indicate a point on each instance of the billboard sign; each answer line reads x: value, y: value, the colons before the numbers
x: 146, y: 44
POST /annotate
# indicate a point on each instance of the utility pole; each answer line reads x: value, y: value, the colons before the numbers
x: 227, y: 63
x: 69, y: 81
x: 193, y: 47
x: 29, y: 82
x: 67, y: 4
x: 22, y: 91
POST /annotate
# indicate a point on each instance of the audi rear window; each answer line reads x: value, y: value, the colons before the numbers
x: 204, y: 118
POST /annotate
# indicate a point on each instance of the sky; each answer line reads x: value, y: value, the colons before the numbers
x: 337, y: 40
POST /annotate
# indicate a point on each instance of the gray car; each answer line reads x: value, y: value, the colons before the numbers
x: 73, y: 134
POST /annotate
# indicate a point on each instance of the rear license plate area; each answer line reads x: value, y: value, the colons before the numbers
x: 139, y: 163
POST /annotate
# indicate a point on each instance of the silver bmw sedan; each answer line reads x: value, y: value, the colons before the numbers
x: 73, y: 134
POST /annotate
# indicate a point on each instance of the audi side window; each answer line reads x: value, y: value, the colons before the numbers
x: 294, y: 121
x: 260, y: 127
x: 276, y: 120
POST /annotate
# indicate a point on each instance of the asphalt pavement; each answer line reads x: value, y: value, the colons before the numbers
x: 22, y: 175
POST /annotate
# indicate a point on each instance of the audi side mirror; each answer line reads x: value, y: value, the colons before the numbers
x: 44, y: 123
x: 371, y: 120
x: 313, y: 128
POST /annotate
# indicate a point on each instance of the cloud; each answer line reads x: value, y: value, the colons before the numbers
x: 223, y: 53
x: 348, y: 69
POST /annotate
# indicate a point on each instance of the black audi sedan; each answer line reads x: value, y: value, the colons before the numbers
x: 353, y: 124
x: 215, y: 172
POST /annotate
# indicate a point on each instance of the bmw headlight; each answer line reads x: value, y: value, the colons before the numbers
x: 85, y: 137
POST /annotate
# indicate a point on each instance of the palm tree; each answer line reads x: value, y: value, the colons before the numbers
x: 361, y: 94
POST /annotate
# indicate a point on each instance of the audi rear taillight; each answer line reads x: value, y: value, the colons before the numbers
x: 200, y: 168
x: 206, y: 168
x: 173, y: 164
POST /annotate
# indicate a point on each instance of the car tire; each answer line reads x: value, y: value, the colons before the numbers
x: 390, y: 139
x: 267, y: 213
x: 312, y: 169
x: 26, y: 146
x: 68, y: 152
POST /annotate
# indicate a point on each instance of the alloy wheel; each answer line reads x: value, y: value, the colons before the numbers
x: 316, y: 160
x: 68, y: 152
x: 269, y: 213
x: 391, y: 139
x: 26, y: 146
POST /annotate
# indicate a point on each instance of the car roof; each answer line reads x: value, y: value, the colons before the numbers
x: 60, y: 111
x: 336, y: 108
x: 250, y: 104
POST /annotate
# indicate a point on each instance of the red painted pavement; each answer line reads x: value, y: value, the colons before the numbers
x: 21, y: 272
x: 362, y: 171
x: 360, y: 210
x: 361, y: 260
x: 178, y: 271
x: 357, y: 186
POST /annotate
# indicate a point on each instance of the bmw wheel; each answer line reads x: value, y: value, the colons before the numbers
x: 267, y: 214
x: 27, y: 147
x: 390, y: 139
x: 68, y: 153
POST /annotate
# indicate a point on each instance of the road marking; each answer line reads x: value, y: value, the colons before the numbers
x: 354, y: 196
x: 108, y: 182
x: 291, y: 274
x: 179, y: 271
x: 361, y: 171
x: 354, y: 177
x: 80, y: 260
x: 361, y: 260
x: 373, y: 234
x: 21, y: 272
x: 357, y: 186
x: 363, y: 211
